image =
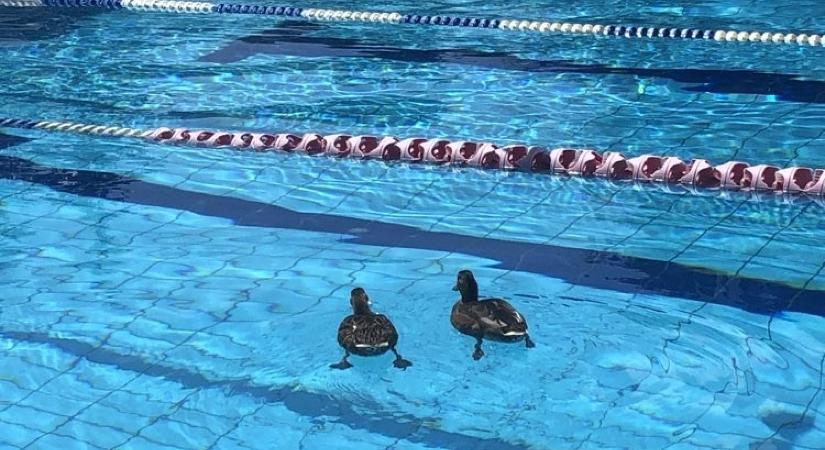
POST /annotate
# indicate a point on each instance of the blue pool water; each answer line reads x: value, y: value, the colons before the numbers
x: 168, y: 297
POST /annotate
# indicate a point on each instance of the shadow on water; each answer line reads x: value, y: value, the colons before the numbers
x: 788, y: 427
x: 38, y: 24
x: 293, y: 39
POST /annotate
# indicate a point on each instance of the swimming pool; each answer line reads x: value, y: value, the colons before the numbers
x: 158, y: 296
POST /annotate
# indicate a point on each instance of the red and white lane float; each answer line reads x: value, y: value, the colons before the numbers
x: 665, y: 171
x: 731, y: 175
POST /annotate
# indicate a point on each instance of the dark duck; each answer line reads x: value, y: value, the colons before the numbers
x: 365, y: 333
x: 492, y: 319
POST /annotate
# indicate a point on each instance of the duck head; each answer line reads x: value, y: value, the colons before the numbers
x: 359, y: 301
x: 466, y: 284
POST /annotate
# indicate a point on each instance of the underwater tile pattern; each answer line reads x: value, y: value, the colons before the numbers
x: 163, y: 297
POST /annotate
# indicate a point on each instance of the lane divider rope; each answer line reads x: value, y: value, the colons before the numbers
x: 666, y: 171
x: 580, y: 29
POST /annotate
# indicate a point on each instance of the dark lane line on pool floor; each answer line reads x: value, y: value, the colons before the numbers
x: 309, y: 404
x: 10, y: 140
x: 42, y: 24
x: 290, y: 39
x: 592, y: 268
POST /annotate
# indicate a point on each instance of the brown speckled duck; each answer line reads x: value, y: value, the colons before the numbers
x: 365, y: 333
x: 492, y: 319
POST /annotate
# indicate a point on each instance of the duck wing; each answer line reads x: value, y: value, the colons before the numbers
x: 385, y: 330
x: 496, y: 316
x: 466, y: 319
x: 346, y: 332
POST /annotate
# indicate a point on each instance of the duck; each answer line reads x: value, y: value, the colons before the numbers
x: 365, y: 333
x: 493, y: 318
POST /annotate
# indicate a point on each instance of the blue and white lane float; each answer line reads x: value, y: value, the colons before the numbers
x: 666, y: 171
x: 397, y: 18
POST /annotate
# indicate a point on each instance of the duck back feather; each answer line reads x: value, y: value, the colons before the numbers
x: 493, y: 319
x: 367, y: 334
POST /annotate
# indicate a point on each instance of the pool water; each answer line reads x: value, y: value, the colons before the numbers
x: 170, y: 297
